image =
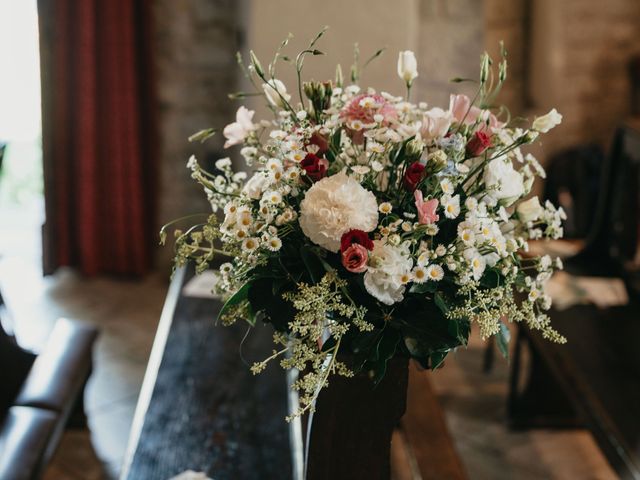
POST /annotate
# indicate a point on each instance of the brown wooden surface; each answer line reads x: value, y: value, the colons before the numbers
x: 351, y: 429
x: 598, y: 371
x: 425, y: 434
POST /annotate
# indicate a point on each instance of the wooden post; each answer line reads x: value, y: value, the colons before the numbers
x: 350, y: 432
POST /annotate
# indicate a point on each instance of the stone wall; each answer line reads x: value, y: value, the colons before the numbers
x: 571, y: 54
x: 196, y: 41
x: 450, y: 43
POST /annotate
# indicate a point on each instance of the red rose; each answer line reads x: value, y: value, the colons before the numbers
x: 315, y: 166
x: 355, y: 236
x: 412, y: 176
x: 355, y: 258
x: 478, y: 144
x: 320, y: 142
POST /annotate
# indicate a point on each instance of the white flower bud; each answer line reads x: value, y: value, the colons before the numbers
x: 407, y: 66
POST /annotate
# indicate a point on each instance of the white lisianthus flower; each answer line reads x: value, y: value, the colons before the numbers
x: 407, y: 67
x: 335, y: 205
x: 435, y: 123
x: 530, y: 210
x: 237, y: 131
x: 389, y: 266
x: 276, y: 93
x: 503, y: 182
x: 547, y: 122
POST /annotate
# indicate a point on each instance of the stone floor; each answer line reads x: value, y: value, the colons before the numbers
x: 127, y: 313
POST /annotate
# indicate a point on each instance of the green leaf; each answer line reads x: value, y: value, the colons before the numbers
x: 313, y: 263
x: 427, y: 287
x: 440, y: 303
x: 502, y: 339
x: 385, y: 351
x: 240, y: 296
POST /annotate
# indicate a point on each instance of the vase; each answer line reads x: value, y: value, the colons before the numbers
x: 349, y: 435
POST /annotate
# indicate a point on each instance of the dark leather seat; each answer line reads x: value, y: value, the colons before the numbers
x: 25, y: 439
x: 32, y: 424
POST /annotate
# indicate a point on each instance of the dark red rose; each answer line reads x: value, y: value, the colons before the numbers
x: 412, y: 176
x: 315, y: 166
x: 320, y: 142
x: 478, y: 144
x: 355, y: 236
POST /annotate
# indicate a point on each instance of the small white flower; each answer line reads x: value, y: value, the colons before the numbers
x: 385, y: 208
x: 239, y: 177
x: 446, y: 186
x: 375, y: 147
x: 272, y: 197
x: 302, y: 114
x: 378, y: 118
x: 297, y: 155
x: 431, y: 229
x: 250, y: 244
x: 471, y: 203
x: 467, y: 236
x: 278, y: 134
x: 356, y: 125
x: 451, y: 206
x: 274, y: 244
x: 360, y: 169
x: 441, y: 250
x: 435, y: 272
x: 226, y: 268
x: 223, y: 163
x: 377, y: 166
x: 419, y: 274
x: 192, y: 163
x: 274, y: 164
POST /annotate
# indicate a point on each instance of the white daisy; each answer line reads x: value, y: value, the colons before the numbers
x: 274, y: 244
x: 419, y: 274
x: 446, y: 186
x: 250, y: 244
x: 435, y: 272
x: 451, y: 206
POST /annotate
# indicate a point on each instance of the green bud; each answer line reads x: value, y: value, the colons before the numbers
x: 485, y: 64
x: 414, y: 149
x: 339, y: 77
x: 436, y: 161
x: 256, y: 64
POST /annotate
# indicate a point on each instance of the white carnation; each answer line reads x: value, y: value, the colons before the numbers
x: 384, y: 276
x: 335, y: 205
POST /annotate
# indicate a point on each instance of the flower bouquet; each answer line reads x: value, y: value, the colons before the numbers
x: 374, y: 226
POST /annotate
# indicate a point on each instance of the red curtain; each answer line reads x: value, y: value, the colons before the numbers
x: 98, y: 135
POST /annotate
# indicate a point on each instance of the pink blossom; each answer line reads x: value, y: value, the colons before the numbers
x: 426, y: 210
x: 355, y: 258
x: 358, y: 110
x: 237, y: 131
x: 463, y: 112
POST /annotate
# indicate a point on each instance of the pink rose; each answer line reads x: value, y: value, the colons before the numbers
x: 463, y: 112
x: 426, y: 210
x: 355, y: 258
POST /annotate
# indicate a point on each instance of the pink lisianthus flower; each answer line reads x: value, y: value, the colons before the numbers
x: 355, y: 257
x: 365, y: 110
x: 463, y: 112
x: 236, y: 132
x: 426, y: 210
